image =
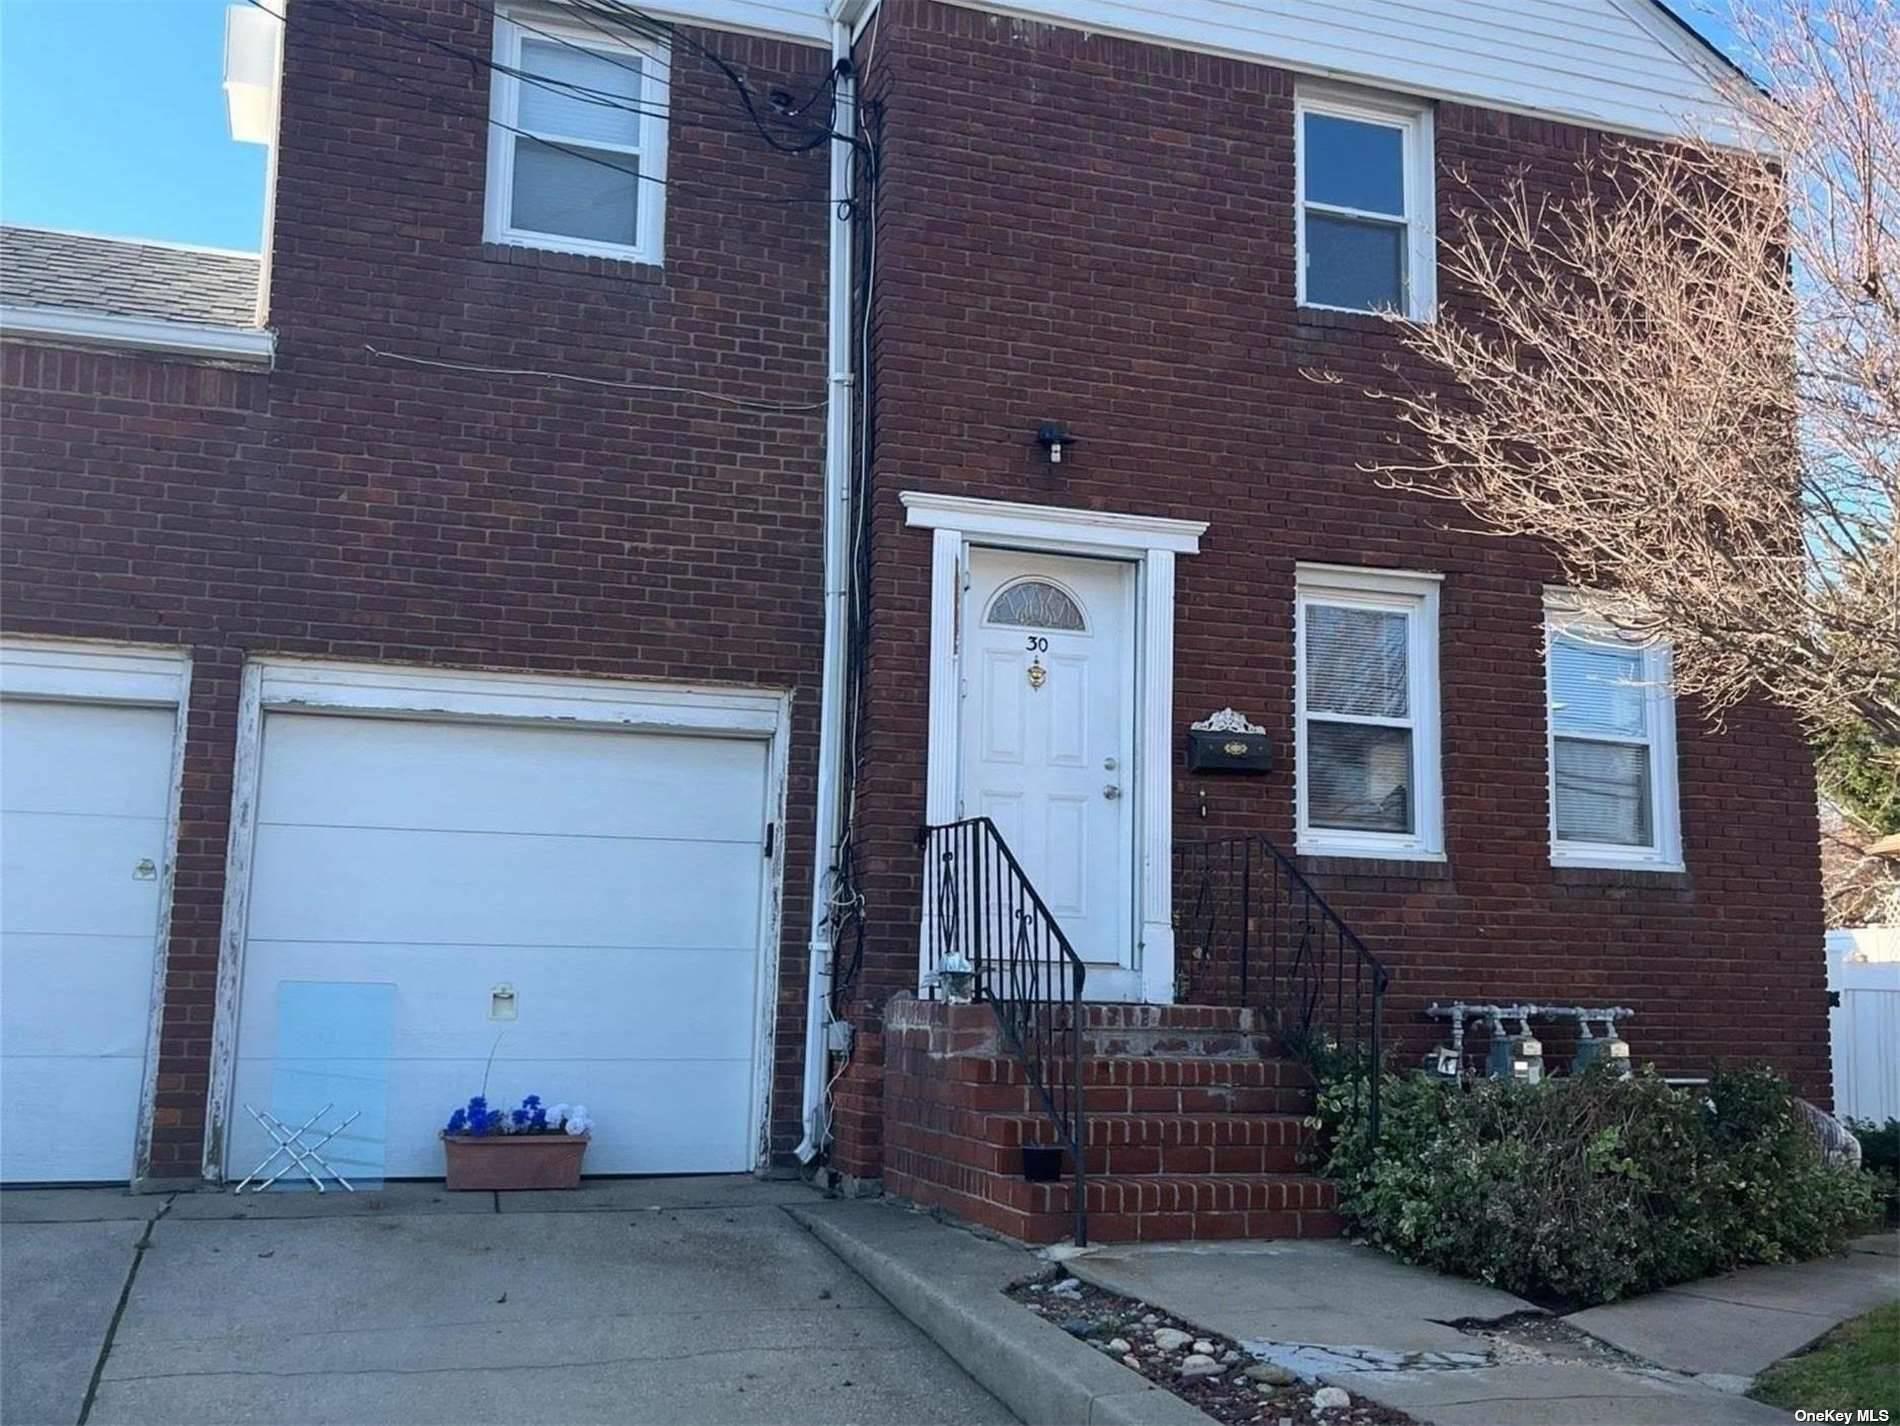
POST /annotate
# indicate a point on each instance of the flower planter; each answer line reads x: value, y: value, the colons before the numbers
x: 513, y: 1161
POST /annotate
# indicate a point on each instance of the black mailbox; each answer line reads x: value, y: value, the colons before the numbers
x: 1216, y: 750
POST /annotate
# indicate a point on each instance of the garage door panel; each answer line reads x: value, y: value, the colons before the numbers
x: 354, y: 884
x: 88, y: 996
x: 651, y: 1116
x: 570, y: 1001
x: 612, y: 879
x: 70, y: 1119
x: 80, y: 875
x: 84, y: 790
x: 363, y: 772
x: 86, y: 760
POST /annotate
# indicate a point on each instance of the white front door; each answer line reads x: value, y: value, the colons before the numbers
x: 1048, y: 740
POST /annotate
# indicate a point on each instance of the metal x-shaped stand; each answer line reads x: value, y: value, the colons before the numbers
x: 297, y: 1154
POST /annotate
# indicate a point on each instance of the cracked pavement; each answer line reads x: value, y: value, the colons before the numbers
x: 675, y: 1301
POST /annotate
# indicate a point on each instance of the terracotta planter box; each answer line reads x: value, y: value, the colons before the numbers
x: 513, y: 1161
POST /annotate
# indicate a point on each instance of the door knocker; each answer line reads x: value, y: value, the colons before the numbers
x: 1038, y: 675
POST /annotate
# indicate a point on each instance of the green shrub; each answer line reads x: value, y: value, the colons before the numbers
x: 1879, y: 1145
x: 1880, y: 1156
x: 1587, y: 1188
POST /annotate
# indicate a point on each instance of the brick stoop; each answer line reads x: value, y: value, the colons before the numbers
x: 1195, y: 1126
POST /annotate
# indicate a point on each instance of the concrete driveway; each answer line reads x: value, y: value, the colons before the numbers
x: 663, y: 1301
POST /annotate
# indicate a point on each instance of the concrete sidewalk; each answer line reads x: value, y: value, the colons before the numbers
x: 661, y: 1301
x: 1350, y: 1316
x: 1732, y: 1328
x: 1335, y: 1313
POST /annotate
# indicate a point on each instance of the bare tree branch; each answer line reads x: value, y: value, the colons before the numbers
x: 1684, y: 377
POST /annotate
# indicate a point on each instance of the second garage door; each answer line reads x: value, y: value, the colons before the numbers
x: 84, y: 793
x: 584, y: 905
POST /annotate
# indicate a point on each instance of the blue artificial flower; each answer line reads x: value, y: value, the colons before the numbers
x: 532, y: 1102
x: 538, y: 1120
x: 519, y: 1117
x: 458, y: 1121
x: 494, y: 1119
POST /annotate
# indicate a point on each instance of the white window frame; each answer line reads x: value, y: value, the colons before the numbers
x: 1413, y: 120
x: 1416, y: 596
x: 505, y: 108
x: 1562, y: 616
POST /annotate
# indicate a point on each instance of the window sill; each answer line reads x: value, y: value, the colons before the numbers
x: 555, y: 260
x: 1413, y: 867
x: 1347, y: 319
x: 1660, y: 876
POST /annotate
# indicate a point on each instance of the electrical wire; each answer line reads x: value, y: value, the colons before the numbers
x: 767, y: 408
x: 637, y: 21
x: 404, y: 84
x: 847, y: 898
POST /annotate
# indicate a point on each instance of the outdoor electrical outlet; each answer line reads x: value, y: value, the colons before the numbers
x: 838, y: 1037
x: 501, y: 1003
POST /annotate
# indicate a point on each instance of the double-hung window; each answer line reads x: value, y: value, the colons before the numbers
x: 1367, y: 729
x: 1364, y: 212
x: 577, y: 146
x: 1612, y: 747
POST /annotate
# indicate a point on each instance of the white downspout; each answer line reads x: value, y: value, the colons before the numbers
x: 837, y: 594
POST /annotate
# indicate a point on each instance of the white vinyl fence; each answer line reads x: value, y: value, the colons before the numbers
x: 1863, y: 966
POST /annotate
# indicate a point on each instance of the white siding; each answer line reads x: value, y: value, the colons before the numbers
x: 1863, y: 968
x: 807, y: 20
x: 1612, y: 64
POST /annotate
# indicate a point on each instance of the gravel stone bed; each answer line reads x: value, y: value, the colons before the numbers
x: 1203, y: 1368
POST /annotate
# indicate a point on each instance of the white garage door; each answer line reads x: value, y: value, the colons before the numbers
x: 84, y: 796
x: 611, y: 880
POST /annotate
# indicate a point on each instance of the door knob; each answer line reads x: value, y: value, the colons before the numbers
x: 1111, y: 792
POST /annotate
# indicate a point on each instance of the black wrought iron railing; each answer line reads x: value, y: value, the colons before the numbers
x: 983, y: 918
x: 1250, y: 929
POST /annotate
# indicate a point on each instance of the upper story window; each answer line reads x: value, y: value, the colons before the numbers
x: 577, y: 152
x: 1366, y: 753
x: 1612, y: 748
x: 1365, y: 240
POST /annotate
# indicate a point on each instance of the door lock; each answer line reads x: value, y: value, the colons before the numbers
x: 1111, y: 792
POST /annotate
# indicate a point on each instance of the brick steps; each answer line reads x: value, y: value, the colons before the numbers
x: 1160, y: 1208
x: 1194, y: 1126
x: 1137, y: 1144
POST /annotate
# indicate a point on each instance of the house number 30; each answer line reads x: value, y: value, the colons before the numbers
x: 1037, y: 644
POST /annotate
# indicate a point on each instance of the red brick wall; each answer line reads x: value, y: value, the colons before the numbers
x: 352, y: 507
x: 1100, y: 232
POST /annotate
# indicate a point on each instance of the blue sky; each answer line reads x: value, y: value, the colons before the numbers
x: 112, y: 120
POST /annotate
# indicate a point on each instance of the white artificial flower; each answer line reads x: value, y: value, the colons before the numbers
x: 579, y: 1111
x: 557, y: 1114
x: 579, y: 1124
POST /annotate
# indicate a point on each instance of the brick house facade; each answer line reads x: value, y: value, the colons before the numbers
x: 1104, y: 262
x: 473, y: 455
x: 347, y: 507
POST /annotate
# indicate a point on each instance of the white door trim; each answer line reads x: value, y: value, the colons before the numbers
x: 136, y: 676
x: 284, y: 684
x: 1149, y: 542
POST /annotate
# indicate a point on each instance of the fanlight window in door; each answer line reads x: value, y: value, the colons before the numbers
x: 1036, y: 604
